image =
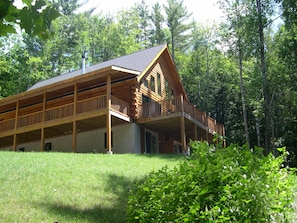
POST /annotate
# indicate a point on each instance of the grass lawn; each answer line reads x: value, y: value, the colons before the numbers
x: 68, y: 187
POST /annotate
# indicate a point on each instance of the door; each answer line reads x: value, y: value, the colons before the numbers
x: 151, y: 142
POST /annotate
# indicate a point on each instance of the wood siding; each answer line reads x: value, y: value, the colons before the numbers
x: 162, y: 69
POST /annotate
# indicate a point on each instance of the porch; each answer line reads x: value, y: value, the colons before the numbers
x: 179, y: 118
x: 20, y: 124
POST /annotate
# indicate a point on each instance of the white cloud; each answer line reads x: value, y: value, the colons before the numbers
x: 203, y: 10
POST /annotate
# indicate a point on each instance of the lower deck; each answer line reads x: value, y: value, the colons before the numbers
x: 162, y: 127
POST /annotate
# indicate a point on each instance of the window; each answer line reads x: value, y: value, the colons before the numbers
x: 48, y: 146
x: 151, y: 142
x: 153, y: 83
x: 159, y: 83
x: 146, y: 83
x: 178, y: 149
x: 145, y: 99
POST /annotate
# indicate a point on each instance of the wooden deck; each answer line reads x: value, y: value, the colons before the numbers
x: 174, y: 117
x: 176, y: 107
x: 85, y: 112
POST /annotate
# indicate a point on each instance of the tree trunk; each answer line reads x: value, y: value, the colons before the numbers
x: 245, y: 120
x: 172, y: 45
x: 265, y: 82
x: 258, y: 133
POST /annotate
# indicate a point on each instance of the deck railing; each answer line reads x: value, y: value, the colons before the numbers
x: 65, y: 111
x: 7, y: 125
x: 160, y: 108
x: 59, y: 112
x: 119, y: 105
x: 31, y: 119
x: 175, y: 105
x: 92, y: 104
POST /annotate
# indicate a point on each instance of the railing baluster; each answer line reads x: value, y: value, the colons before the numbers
x: 173, y: 105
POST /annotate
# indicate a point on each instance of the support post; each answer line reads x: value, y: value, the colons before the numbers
x: 108, y: 115
x: 74, y: 136
x: 182, y: 125
x: 42, y: 137
x: 224, y: 137
x: 16, y: 125
x: 206, y: 127
x: 74, y: 124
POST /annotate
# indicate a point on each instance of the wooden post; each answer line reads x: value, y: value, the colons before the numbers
x: 108, y: 115
x: 42, y: 138
x: 206, y: 127
x: 74, y: 124
x: 16, y: 125
x: 214, y: 132
x: 182, y: 125
x: 74, y: 136
x: 223, y: 134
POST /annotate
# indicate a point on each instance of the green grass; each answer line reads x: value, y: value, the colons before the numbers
x: 67, y: 187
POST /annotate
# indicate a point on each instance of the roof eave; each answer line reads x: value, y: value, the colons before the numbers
x: 151, y: 63
x: 102, y: 72
x: 154, y: 60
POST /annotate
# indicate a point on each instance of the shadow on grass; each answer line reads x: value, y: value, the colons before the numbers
x: 118, y: 186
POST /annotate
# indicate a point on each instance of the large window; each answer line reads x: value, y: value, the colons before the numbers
x: 159, y: 83
x: 145, y: 83
x: 145, y: 99
x: 151, y: 142
x: 178, y: 149
x: 153, y: 88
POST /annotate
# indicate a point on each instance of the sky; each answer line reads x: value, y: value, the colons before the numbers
x: 204, y: 11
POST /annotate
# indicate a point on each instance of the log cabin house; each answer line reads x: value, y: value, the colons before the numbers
x: 132, y: 104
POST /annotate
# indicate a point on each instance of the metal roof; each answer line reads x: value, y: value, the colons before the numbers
x: 137, y: 61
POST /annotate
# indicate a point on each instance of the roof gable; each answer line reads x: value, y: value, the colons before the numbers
x: 138, y: 61
x: 165, y: 60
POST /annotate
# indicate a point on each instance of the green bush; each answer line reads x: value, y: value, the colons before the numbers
x: 216, y: 185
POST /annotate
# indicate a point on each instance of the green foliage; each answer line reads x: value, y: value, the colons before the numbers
x: 176, y: 19
x: 216, y: 185
x: 157, y: 33
x: 34, y: 18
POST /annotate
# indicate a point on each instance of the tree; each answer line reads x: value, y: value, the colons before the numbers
x: 62, y: 53
x: 157, y: 34
x: 285, y: 98
x: 266, y: 91
x: 238, y: 23
x: 176, y: 18
x: 144, y: 22
x: 210, y: 79
x: 68, y: 7
x: 20, y: 67
x: 35, y: 18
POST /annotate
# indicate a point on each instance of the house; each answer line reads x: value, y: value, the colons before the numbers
x: 132, y: 104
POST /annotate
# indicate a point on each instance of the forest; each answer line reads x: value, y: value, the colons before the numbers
x: 242, y: 71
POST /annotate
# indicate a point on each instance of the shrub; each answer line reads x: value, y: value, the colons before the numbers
x: 215, y: 185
